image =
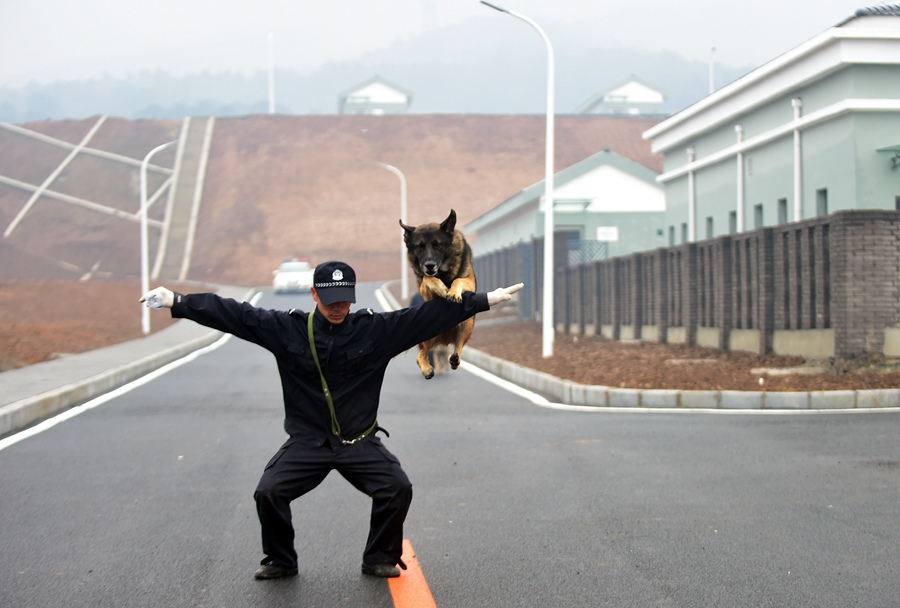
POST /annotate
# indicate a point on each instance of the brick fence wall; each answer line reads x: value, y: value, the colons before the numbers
x: 836, y: 275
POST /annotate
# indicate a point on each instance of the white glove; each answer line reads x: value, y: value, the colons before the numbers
x: 503, y: 294
x: 159, y: 298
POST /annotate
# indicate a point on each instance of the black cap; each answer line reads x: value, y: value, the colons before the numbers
x: 334, y: 282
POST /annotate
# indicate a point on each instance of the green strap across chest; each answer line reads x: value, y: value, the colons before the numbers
x: 335, y: 427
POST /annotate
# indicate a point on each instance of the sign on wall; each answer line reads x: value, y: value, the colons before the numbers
x: 608, y: 233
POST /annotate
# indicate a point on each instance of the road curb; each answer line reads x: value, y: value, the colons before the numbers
x: 572, y: 393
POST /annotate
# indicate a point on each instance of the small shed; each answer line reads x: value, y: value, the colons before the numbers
x: 374, y: 96
x: 632, y: 97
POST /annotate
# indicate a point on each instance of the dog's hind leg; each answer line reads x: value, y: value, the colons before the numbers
x: 422, y: 360
x: 463, y: 333
x: 440, y: 358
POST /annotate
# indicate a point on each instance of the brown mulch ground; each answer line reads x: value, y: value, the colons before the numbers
x: 598, y: 361
x: 41, y: 319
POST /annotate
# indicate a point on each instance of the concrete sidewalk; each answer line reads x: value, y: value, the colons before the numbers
x: 31, y: 394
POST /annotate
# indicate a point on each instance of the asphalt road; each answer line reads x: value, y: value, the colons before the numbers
x: 146, y: 501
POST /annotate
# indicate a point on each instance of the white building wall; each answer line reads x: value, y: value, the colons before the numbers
x: 610, y: 190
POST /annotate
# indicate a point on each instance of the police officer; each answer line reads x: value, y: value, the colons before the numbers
x: 332, y: 365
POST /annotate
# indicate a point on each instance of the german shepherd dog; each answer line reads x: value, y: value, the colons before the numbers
x: 441, y: 259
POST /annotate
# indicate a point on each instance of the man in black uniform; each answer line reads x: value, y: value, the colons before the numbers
x: 332, y: 365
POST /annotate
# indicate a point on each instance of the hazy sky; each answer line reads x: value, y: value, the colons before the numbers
x: 46, y: 40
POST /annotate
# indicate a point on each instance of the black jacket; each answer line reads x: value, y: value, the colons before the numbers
x: 354, y: 355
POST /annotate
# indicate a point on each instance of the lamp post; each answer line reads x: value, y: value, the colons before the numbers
x: 145, y: 279
x: 404, y: 278
x: 271, y: 74
x: 547, y: 313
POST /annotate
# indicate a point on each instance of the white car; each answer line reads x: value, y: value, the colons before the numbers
x: 293, y: 276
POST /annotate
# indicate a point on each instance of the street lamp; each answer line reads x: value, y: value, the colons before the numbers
x: 145, y: 279
x: 404, y: 271
x: 547, y: 314
x: 271, y: 74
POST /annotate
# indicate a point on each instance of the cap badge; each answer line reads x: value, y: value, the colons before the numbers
x: 337, y: 275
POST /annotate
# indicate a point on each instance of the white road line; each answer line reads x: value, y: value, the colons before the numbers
x: 122, y: 390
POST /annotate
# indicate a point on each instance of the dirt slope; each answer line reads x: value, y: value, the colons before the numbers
x: 280, y: 186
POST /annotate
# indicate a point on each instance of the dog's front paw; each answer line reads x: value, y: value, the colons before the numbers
x: 458, y: 288
x: 454, y: 296
x: 435, y: 286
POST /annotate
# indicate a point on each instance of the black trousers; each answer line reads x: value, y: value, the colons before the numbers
x: 367, y: 464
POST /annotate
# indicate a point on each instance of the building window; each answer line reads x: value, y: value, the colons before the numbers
x: 671, y: 236
x: 732, y: 222
x: 782, y: 211
x: 684, y: 232
x: 822, y: 202
x: 709, y: 227
x: 757, y: 216
x: 897, y: 203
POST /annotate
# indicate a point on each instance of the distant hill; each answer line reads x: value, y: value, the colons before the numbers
x: 466, y: 69
x: 283, y: 186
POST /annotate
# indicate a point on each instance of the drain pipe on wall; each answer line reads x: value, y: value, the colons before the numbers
x: 692, y: 197
x: 797, y: 103
x: 739, y: 130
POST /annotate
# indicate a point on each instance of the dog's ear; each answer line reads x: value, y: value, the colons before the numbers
x: 407, y: 231
x: 449, y: 224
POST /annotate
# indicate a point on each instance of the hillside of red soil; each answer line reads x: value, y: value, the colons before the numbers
x: 43, y: 320
x: 281, y: 186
